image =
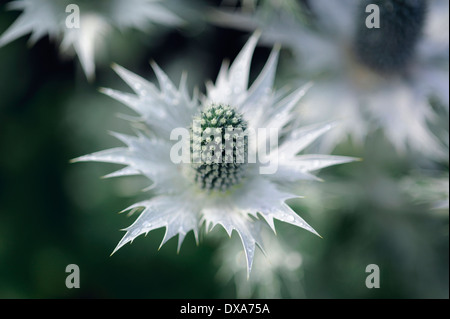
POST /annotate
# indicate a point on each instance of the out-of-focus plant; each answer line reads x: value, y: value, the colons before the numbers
x: 83, y: 26
x: 369, y: 78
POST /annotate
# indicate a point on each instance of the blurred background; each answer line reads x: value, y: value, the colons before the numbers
x: 381, y: 210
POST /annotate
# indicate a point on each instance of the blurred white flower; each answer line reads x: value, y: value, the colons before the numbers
x: 56, y: 18
x: 368, y: 78
x: 275, y: 271
x: 428, y: 187
x: 233, y: 193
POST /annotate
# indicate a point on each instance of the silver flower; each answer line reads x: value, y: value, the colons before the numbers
x: 238, y: 195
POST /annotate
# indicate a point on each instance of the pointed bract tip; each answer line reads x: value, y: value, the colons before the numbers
x: 78, y: 159
x: 276, y: 48
x: 90, y: 76
x: 153, y: 64
x: 257, y: 33
x: 114, y: 66
x: 117, y: 68
x: 102, y: 90
x: 114, y: 251
x: 317, y: 234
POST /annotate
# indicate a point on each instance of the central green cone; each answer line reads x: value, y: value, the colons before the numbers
x: 219, y: 147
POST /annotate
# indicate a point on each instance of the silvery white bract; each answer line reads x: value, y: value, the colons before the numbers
x: 368, y: 82
x: 57, y: 19
x: 237, y: 197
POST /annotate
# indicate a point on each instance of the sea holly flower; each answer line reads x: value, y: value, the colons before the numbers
x: 82, y: 26
x: 372, y: 79
x: 238, y: 193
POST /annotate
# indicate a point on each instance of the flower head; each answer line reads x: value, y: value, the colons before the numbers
x: 239, y: 153
x: 86, y: 33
